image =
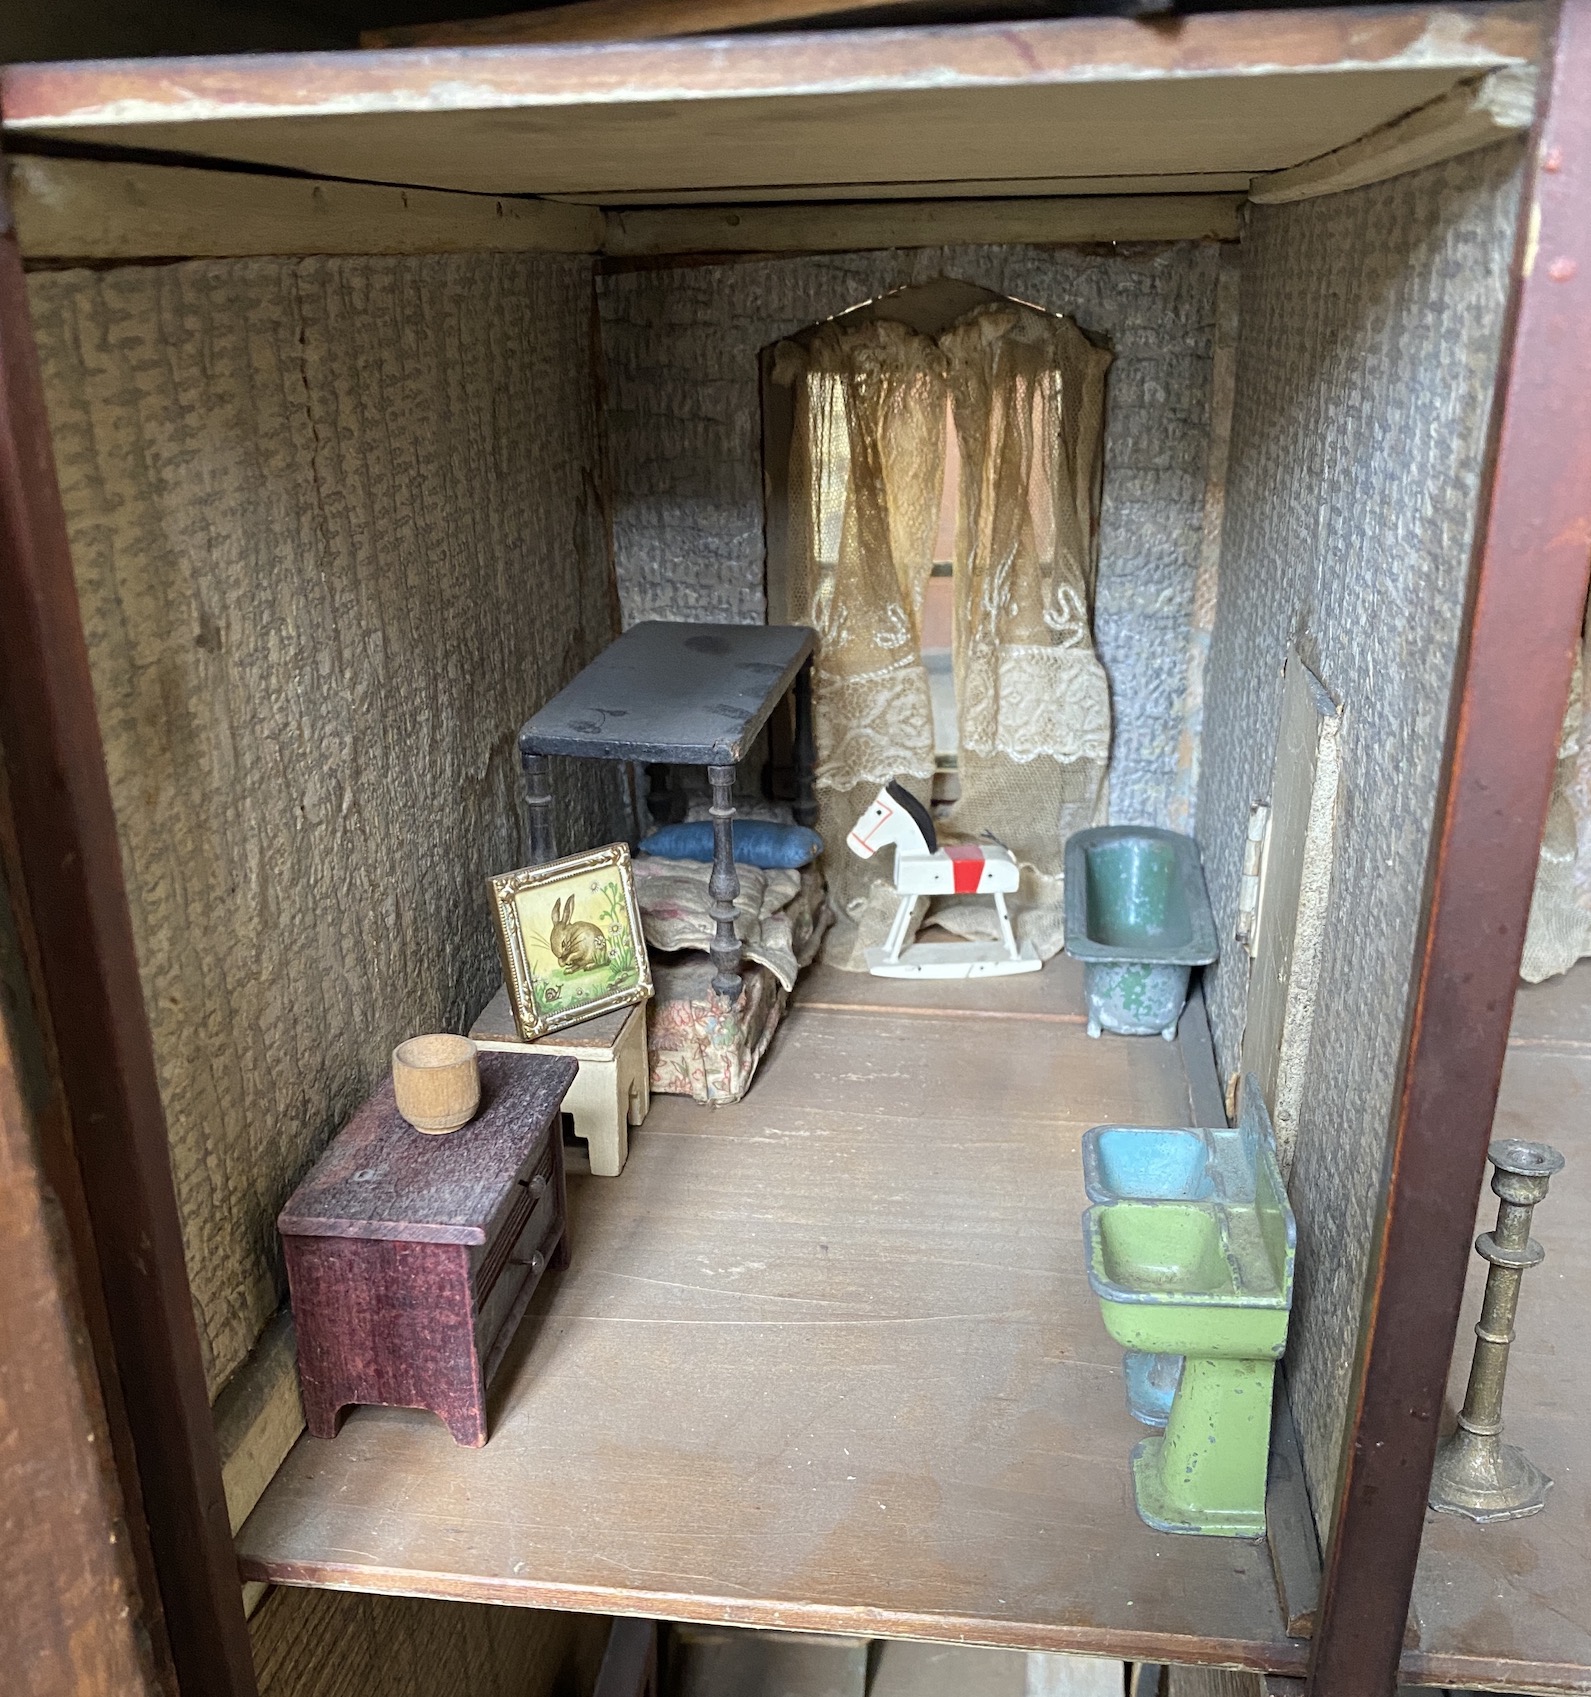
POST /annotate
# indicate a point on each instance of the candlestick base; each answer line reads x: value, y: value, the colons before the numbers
x: 1478, y: 1475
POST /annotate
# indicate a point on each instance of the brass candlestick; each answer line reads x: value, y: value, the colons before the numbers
x: 1476, y: 1473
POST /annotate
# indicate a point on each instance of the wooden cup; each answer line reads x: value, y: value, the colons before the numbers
x: 437, y: 1082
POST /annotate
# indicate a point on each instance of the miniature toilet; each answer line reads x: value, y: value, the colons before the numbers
x: 611, y: 1092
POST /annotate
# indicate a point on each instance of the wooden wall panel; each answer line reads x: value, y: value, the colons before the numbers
x: 342, y: 1644
x: 73, y: 1616
x: 1213, y: 1682
x: 337, y: 527
x: 1367, y: 348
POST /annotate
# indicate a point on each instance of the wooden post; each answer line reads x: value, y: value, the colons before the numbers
x: 92, y: 999
x: 724, y: 885
x: 1527, y: 598
x: 806, y: 801
x: 629, y: 1668
x: 75, y: 1618
x: 659, y: 798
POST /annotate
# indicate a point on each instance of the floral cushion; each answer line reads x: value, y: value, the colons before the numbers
x: 703, y: 1046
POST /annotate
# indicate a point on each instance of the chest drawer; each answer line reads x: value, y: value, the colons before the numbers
x: 522, y: 1248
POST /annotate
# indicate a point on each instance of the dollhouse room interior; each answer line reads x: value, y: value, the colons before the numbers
x: 1110, y: 582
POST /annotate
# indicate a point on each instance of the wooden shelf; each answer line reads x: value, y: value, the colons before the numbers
x: 1506, y: 1605
x: 825, y: 1359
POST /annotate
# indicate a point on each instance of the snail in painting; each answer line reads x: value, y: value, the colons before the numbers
x: 576, y: 944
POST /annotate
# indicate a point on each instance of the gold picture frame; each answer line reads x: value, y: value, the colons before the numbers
x: 570, y: 937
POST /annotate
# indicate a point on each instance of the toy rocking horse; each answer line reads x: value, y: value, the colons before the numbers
x: 923, y: 868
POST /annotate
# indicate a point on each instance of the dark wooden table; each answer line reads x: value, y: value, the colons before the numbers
x: 684, y: 695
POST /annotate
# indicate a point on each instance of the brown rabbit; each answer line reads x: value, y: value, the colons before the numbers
x: 577, y: 944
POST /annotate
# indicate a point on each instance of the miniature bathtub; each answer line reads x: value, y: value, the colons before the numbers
x: 1138, y: 916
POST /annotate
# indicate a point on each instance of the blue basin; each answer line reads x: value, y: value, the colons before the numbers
x: 1149, y: 1165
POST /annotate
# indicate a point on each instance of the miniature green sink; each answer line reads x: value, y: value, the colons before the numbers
x: 1187, y: 1164
x: 1213, y: 1282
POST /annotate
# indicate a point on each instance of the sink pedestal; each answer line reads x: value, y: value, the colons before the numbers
x: 1151, y: 1382
x: 1206, y: 1471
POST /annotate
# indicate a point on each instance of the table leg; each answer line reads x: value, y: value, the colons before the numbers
x: 724, y: 885
x: 659, y: 801
x: 806, y: 801
x: 538, y: 804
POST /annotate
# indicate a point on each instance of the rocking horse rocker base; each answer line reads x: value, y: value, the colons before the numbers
x: 952, y: 960
x: 923, y: 868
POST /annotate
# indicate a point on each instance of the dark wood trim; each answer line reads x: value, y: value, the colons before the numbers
x: 1527, y: 595
x: 646, y: 20
x: 38, y: 1068
x: 629, y: 1666
x: 71, y: 1595
x: 70, y: 864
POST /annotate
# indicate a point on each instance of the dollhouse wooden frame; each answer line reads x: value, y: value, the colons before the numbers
x: 1124, y: 133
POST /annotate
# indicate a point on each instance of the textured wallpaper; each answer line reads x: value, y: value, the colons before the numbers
x: 337, y: 531
x: 685, y: 427
x: 1367, y: 346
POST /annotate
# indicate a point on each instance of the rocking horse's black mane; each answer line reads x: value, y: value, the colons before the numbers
x: 925, y: 821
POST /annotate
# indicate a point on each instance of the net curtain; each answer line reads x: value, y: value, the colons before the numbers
x: 1026, y: 393
x: 1559, y: 930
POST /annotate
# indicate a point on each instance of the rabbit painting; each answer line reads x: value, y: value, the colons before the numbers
x: 561, y: 969
x: 576, y: 944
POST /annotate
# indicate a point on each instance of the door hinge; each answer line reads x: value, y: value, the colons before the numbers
x: 1254, y: 847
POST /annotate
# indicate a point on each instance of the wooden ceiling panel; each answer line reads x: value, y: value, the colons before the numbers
x: 1213, y: 124
x: 1216, y: 94
x: 956, y: 188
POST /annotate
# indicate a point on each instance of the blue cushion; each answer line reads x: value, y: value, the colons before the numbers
x: 758, y: 842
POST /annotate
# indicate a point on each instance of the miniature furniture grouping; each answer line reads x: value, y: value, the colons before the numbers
x: 610, y: 1093
x: 411, y: 1259
x: 687, y: 695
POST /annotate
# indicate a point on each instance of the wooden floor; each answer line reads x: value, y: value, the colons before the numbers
x: 826, y: 1359
x: 1510, y: 1605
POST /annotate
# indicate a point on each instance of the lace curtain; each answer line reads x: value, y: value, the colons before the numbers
x: 1028, y: 392
x: 866, y: 470
x: 1559, y: 929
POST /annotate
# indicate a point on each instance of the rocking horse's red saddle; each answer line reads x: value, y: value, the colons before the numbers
x: 966, y: 866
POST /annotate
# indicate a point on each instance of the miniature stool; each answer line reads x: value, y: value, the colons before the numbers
x: 611, y: 1091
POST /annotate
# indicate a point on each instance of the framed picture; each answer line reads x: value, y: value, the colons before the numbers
x: 570, y: 937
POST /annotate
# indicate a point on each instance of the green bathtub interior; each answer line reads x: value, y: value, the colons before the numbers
x: 1134, y: 896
